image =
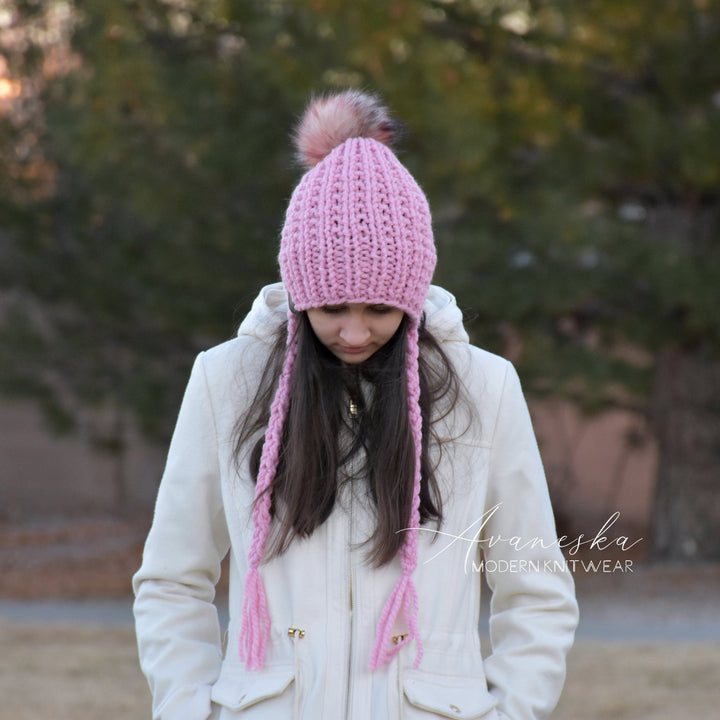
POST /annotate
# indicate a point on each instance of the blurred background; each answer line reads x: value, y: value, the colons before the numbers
x: 571, y: 155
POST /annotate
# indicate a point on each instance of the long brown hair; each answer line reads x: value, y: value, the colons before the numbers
x: 321, y: 435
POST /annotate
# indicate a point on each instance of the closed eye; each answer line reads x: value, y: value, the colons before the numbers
x: 333, y: 309
x: 381, y: 309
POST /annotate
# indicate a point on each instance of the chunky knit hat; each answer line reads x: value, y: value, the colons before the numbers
x: 357, y: 230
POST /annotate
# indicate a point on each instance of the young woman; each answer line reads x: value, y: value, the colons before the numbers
x: 362, y: 463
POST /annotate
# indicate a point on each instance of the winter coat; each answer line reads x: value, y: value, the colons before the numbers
x: 324, y: 597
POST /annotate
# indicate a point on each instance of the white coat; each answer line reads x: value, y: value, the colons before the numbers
x: 324, y: 599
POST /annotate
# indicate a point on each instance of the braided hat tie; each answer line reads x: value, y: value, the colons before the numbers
x: 357, y: 230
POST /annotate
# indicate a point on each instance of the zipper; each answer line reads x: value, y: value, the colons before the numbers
x: 348, y: 692
x: 353, y: 412
x: 296, y: 634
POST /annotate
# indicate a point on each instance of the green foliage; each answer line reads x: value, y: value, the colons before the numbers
x: 598, y: 204
x: 569, y: 151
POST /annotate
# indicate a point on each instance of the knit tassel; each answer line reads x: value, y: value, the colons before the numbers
x: 404, y: 595
x: 255, y: 629
x: 255, y: 622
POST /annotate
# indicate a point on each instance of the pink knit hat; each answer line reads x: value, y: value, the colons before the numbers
x: 357, y: 230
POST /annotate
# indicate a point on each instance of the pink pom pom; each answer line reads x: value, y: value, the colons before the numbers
x: 331, y: 120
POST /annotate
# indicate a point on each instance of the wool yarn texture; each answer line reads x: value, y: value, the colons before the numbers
x: 357, y: 230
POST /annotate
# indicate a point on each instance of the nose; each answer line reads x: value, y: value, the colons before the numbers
x: 354, y: 331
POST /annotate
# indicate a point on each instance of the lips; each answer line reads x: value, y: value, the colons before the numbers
x: 354, y: 350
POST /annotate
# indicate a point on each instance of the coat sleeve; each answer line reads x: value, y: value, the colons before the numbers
x: 176, y: 621
x: 533, y: 611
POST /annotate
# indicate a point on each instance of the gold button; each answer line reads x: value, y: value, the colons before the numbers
x: 455, y: 708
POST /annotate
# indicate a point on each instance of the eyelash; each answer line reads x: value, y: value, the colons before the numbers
x: 378, y: 310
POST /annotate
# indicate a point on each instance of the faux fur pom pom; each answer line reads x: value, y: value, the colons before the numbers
x: 331, y: 120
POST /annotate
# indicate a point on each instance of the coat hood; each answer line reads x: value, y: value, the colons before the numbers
x: 442, y: 315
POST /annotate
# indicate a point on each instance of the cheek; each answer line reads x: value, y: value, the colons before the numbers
x: 390, y: 327
x: 325, y: 333
x: 320, y: 326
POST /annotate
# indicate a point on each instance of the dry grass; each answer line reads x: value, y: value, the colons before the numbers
x: 92, y: 674
x: 76, y: 673
x: 658, y: 681
x: 77, y: 558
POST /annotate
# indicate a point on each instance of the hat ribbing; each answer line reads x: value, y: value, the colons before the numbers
x: 357, y: 230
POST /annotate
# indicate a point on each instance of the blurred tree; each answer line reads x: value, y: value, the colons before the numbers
x: 145, y: 206
x: 602, y: 203
x: 570, y: 152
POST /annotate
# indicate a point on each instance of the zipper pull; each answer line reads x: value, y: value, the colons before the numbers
x: 353, y: 409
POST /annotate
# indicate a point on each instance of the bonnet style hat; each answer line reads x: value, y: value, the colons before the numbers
x: 357, y: 230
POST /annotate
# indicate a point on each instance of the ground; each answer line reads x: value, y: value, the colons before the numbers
x: 648, y: 646
x: 66, y: 558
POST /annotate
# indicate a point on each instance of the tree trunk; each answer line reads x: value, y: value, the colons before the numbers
x: 685, y: 412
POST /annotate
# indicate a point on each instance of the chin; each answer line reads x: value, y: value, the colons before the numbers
x: 355, y: 359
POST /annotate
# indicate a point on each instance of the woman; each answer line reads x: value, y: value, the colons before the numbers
x: 360, y: 460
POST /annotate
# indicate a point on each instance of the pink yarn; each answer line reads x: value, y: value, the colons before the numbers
x: 357, y: 230
x: 404, y: 595
x: 255, y: 629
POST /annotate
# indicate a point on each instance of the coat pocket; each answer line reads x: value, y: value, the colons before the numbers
x: 241, y: 690
x: 456, y: 696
